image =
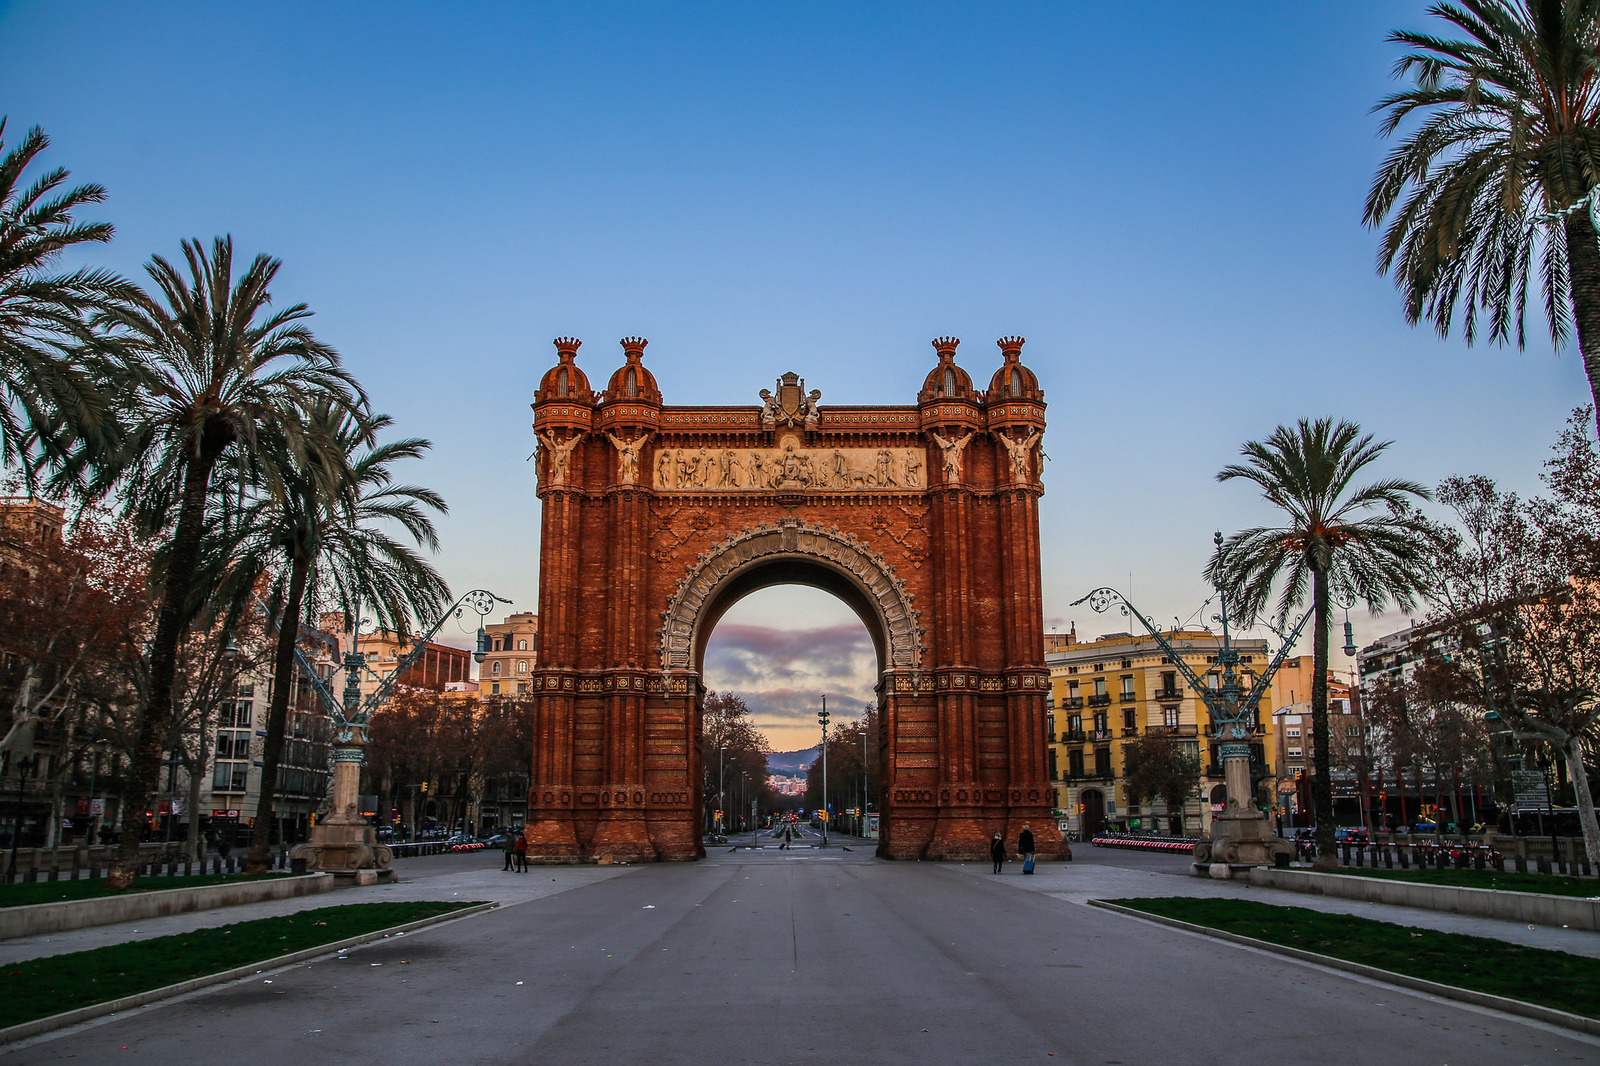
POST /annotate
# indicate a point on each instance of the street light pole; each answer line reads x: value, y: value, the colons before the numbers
x: 722, y: 799
x: 24, y: 766
x: 822, y: 717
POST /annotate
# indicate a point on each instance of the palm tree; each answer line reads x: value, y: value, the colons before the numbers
x: 1510, y: 130
x: 49, y: 401
x: 1331, y: 542
x: 201, y: 373
x: 324, y: 517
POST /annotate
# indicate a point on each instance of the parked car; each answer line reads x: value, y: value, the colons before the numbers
x: 497, y: 841
x: 1352, y: 835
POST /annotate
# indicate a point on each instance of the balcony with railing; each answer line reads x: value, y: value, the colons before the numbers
x: 1168, y: 694
x: 1172, y: 731
x: 1129, y: 697
x: 1073, y: 703
x: 1100, y: 699
x: 1130, y: 731
x: 1072, y: 736
x: 1101, y: 734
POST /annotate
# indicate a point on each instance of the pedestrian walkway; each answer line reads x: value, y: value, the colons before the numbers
x: 432, y: 878
x: 1079, y: 882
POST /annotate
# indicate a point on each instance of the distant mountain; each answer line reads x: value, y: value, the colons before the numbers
x: 790, y: 763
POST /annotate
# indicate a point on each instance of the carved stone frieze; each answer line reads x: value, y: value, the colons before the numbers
x: 790, y: 467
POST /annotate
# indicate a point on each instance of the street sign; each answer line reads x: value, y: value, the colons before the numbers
x: 1530, y: 790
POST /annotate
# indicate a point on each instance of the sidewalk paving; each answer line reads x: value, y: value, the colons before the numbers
x: 1079, y: 882
x: 488, y: 883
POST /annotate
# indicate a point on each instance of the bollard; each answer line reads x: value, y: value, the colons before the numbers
x: 1477, y: 860
x: 1542, y: 864
x: 1405, y: 860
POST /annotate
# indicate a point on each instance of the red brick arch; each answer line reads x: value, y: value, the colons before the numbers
x: 656, y: 519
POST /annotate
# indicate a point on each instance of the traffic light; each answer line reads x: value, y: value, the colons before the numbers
x: 424, y: 788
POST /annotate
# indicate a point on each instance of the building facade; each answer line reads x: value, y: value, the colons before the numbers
x: 1108, y: 692
x: 512, y: 656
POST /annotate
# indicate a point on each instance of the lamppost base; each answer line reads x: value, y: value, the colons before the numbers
x: 1241, y: 837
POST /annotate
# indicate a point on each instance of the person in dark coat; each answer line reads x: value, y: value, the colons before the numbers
x: 997, y: 852
x: 521, y: 845
x: 511, y: 851
x: 1025, y: 847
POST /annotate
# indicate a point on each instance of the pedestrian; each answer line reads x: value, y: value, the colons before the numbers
x: 997, y: 852
x: 522, y: 854
x: 1025, y: 848
x: 788, y: 837
x: 511, y: 851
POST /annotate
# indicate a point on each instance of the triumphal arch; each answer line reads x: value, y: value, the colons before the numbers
x: 656, y: 519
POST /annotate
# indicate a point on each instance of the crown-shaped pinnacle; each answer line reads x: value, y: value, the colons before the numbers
x: 567, y: 347
x: 1011, y: 347
x: 946, y: 347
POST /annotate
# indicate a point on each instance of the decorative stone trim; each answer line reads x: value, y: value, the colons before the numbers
x: 841, y: 552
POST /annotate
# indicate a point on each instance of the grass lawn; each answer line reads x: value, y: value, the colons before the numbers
x: 1549, y: 884
x: 1549, y: 978
x: 41, y: 987
x: 20, y: 894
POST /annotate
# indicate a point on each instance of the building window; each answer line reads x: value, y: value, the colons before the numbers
x: 522, y: 645
x: 1292, y: 731
x: 495, y: 670
x: 1075, y: 723
x: 1352, y: 731
x: 1054, y: 775
x: 1099, y: 667
x: 522, y: 686
x: 1100, y: 722
x: 1127, y: 686
x: 494, y: 689
x: 1099, y: 686
x: 1127, y: 664
x: 1130, y: 718
x: 1169, y: 717
x: 1294, y: 753
x: 1075, y: 763
x: 522, y: 666
x: 1102, y: 762
x: 1072, y: 669
x: 949, y: 382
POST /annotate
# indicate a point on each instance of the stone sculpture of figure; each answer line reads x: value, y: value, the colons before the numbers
x: 560, y: 455
x: 791, y: 464
x: 841, y: 469
x: 913, y: 467
x: 663, y: 468
x: 730, y: 469
x: 627, y: 456
x: 769, y: 409
x: 809, y: 408
x: 885, y: 471
x: 952, y: 450
x: 758, y: 463
x: 1019, y: 450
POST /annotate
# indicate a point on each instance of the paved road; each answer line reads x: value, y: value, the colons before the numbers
x: 806, y: 956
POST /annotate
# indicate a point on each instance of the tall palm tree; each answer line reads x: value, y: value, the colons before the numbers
x: 203, y: 370
x: 50, y: 402
x: 325, y: 517
x: 1510, y: 130
x: 1333, y: 542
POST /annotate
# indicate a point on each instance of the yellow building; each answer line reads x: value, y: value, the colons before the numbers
x: 1107, y: 692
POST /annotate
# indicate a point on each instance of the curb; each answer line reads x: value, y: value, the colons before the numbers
x: 37, y: 919
x: 52, y: 1022
x: 1464, y: 995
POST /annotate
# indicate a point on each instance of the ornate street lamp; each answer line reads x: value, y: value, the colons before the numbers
x: 1241, y: 834
x: 343, y: 841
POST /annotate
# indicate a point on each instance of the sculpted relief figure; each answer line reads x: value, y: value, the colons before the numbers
x: 627, y: 456
x: 559, y: 453
x: 913, y: 468
x: 1019, y: 451
x: 794, y: 466
x: 952, y: 450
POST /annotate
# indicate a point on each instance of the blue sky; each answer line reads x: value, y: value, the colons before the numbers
x: 1164, y: 199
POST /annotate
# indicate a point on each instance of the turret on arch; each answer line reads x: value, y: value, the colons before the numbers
x: 656, y: 519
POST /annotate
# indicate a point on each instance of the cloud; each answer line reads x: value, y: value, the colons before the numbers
x: 783, y: 673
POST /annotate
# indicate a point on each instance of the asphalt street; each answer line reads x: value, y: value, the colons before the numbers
x: 807, y: 956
